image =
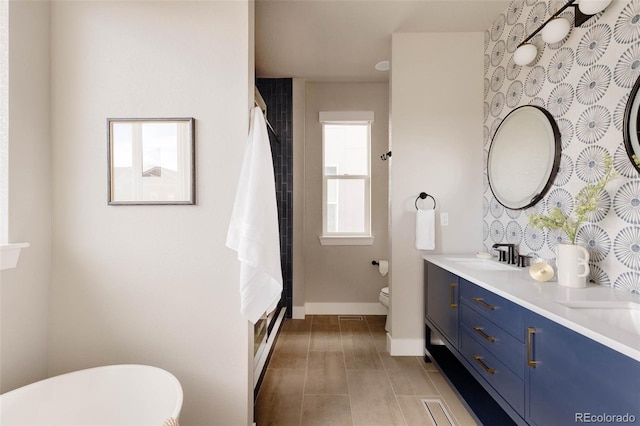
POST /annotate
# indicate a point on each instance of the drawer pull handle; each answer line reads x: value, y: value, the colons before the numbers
x: 452, y: 296
x: 483, y: 365
x: 483, y: 303
x: 530, y: 362
x: 483, y: 334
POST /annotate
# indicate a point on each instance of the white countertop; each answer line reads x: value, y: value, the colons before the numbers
x: 545, y: 298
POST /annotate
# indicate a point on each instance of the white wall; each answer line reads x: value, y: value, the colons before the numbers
x: 151, y: 284
x: 24, y: 292
x: 436, y: 139
x: 341, y: 279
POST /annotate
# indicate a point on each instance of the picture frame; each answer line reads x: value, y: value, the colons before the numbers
x: 151, y: 161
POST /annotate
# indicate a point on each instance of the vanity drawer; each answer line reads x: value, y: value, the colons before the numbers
x: 503, y: 380
x: 509, y: 350
x: 499, y: 310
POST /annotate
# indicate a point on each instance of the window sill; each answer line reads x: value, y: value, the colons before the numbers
x: 347, y: 241
x: 9, y: 255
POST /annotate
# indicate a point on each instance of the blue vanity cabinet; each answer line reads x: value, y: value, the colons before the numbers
x: 573, y: 379
x: 441, y: 302
x: 492, y: 344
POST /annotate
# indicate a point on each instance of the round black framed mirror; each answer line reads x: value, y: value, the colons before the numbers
x: 524, y: 157
x: 631, y: 126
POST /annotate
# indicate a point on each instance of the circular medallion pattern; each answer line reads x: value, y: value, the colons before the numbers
x: 485, y: 230
x: 487, y: 62
x: 566, y: 132
x: 618, y: 113
x: 498, y: 27
x: 595, y: 240
x: 513, y: 69
x: 629, y: 281
x: 593, y: 44
x: 496, y: 208
x: 602, y: 208
x: 598, y: 276
x: 622, y: 164
x: 560, y: 99
x: 498, y: 53
x: 536, y: 17
x: 514, y: 93
x: 560, y: 198
x: 565, y: 170
x: 514, y: 11
x: 497, y: 104
x: 628, y: 68
x: 560, y: 65
x: 538, y: 102
x: 627, y: 247
x: 485, y: 206
x: 627, y: 28
x: 513, y: 232
x: 533, y: 238
x: 497, y: 231
x: 626, y: 202
x: 513, y: 214
x: 534, y: 81
x: 593, y: 84
x: 516, y: 35
x: 590, y: 164
x: 497, y: 79
x: 555, y: 237
x: 593, y: 124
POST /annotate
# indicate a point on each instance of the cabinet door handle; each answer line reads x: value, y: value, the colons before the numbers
x: 483, y: 365
x: 452, y: 296
x: 483, y: 334
x: 530, y: 362
x: 483, y: 303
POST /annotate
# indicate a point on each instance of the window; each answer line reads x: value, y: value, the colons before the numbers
x: 4, y: 121
x: 346, y: 178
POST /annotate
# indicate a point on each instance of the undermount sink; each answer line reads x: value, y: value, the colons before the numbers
x: 482, y: 264
x: 623, y: 314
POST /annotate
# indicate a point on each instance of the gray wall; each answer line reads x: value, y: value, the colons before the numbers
x: 563, y: 73
x: 24, y: 297
x: 436, y: 138
x: 343, y: 275
x: 151, y: 284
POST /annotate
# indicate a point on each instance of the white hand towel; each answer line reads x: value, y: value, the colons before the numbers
x: 425, y: 229
x: 254, y: 230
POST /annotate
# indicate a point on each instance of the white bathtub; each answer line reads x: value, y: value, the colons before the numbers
x: 115, y: 395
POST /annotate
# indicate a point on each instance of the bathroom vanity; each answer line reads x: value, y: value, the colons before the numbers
x: 546, y: 354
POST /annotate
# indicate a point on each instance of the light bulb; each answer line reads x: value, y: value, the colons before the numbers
x: 556, y: 30
x: 525, y: 54
x: 591, y: 7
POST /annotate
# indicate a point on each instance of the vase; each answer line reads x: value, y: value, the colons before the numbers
x: 573, y: 265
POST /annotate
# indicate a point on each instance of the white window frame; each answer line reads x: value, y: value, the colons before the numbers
x: 347, y: 238
x: 9, y: 253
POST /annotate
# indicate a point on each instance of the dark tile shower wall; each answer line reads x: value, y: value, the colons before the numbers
x: 278, y: 95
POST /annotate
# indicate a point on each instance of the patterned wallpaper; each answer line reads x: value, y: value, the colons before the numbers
x: 584, y: 81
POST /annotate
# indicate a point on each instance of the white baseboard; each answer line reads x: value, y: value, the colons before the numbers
x: 405, y: 347
x: 298, y: 312
x: 344, y: 309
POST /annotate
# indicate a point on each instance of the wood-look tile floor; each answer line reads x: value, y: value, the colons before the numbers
x: 327, y: 370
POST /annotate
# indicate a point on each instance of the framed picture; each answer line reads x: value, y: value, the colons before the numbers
x: 151, y: 161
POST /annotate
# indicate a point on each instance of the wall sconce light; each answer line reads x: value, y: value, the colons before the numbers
x: 556, y: 28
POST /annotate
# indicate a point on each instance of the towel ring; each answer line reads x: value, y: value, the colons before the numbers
x: 422, y: 196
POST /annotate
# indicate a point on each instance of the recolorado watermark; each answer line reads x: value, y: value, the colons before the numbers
x: 604, y: 418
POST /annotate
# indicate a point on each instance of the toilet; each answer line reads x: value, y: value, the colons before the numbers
x: 384, y: 299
